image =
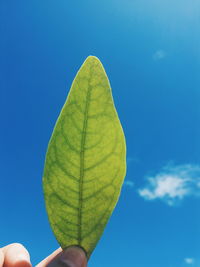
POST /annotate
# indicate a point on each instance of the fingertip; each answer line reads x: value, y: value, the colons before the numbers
x: 16, y: 255
x: 73, y: 257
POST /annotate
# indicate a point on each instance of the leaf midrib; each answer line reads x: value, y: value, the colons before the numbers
x: 82, y: 154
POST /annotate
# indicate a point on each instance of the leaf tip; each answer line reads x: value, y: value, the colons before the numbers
x: 92, y: 59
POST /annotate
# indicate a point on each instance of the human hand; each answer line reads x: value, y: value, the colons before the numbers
x: 71, y: 257
x: 16, y: 255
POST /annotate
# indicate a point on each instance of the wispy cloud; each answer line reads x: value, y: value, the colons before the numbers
x: 173, y: 183
x: 189, y: 260
x: 131, y: 160
x: 129, y: 183
x: 159, y: 54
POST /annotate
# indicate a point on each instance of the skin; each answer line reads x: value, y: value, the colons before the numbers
x: 16, y: 255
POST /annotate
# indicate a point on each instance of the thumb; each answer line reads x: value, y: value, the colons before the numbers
x: 71, y: 257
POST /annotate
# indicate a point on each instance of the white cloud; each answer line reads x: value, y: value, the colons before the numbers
x: 173, y: 183
x: 129, y: 183
x: 159, y: 54
x: 189, y: 260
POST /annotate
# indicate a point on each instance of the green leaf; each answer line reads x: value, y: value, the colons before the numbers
x: 85, y: 162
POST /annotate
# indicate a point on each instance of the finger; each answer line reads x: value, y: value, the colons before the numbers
x: 15, y: 255
x: 1, y: 258
x: 71, y: 257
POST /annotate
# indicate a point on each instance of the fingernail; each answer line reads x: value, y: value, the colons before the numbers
x: 73, y: 257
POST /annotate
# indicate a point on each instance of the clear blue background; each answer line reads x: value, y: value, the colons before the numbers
x: 42, y: 45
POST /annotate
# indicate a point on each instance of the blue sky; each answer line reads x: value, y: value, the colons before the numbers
x: 150, y: 50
